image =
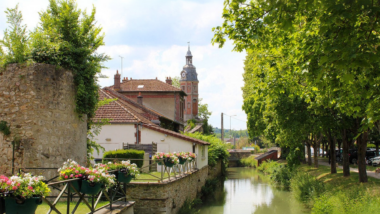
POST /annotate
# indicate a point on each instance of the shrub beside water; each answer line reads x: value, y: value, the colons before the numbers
x: 126, y: 154
x: 305, y: 187
x: 249, y: 161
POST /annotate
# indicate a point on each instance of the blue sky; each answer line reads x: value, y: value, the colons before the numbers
x: 152, y: 37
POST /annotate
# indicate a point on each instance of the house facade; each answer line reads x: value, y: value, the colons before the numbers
x: 130, y: 123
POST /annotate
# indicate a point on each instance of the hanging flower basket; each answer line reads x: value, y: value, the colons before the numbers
x: 76, y: 184
x: 25, y: 206
x: 90, y: 188
x: 182, y: 160
x: 124, y: 177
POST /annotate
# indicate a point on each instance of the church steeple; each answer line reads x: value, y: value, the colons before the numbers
x: 189, y: 57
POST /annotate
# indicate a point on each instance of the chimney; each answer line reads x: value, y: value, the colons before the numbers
x: 140, y: 99
x: 125, y: 79
x: 116, y: 84
x: 169, y: 80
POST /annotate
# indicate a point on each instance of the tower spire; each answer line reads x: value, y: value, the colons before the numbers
x: 188, y: 43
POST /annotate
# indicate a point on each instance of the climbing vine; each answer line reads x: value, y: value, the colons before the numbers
x: 4, y: 128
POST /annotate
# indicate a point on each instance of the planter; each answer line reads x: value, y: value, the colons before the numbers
x: 168, y: 163
x: 27, y: 206
x: 90, y: 188
x: 182, y: 161
x: 124, y: 177
x: 159, y: 162
x: 2, y: 205
x: 76, y: 184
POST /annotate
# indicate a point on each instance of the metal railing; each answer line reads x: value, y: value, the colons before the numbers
x: 113, y: 194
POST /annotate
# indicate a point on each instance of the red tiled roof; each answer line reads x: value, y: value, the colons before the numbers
x: 175, y: 134
x: 117, y: 112
x: 148, y: 85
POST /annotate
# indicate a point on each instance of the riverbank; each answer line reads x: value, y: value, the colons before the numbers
x: 329, y: 193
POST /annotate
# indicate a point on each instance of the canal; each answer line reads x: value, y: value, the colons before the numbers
x: 246, y: 191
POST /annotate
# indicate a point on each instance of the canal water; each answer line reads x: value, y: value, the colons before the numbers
x: 246, y: 191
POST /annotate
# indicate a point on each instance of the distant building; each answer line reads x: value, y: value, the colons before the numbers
x: 189, y: 84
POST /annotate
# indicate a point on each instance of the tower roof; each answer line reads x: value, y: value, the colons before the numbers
x: 188, y: 50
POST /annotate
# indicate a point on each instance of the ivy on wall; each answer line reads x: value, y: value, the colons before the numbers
x: 4, y: 128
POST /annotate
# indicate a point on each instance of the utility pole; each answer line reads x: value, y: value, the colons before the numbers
x: 222, y: 134
x: 121, y: 66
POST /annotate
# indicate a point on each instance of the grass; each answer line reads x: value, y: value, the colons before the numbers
x: 61, y: 206
x: 336, y: 182
x: 145, y: 177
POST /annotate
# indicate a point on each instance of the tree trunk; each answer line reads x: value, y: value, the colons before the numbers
x: 308, y: 154
x: 377, y: 147
x: 332, y: 153
x: 346, y: 163
x: 323, y: 149
x: 362, y: 148
x: 316, y: 149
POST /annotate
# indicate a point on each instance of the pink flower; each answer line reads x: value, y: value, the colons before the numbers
x: 66, y: 177
x: 9, y: 182
x: 18, y: 184
x: 91, y: 179
x: 30, y: 187
x: 76, y: 176
x: 80, y: 175
x: 71, y: 175
x: 14, y: 188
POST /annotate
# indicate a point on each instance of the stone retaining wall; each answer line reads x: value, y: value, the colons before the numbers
x: 168, y: 198
x: 38, y: 101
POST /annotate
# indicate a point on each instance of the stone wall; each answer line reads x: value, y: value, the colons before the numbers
x: 157, y: 198
x: 215, y: 171
x: 38, y: 101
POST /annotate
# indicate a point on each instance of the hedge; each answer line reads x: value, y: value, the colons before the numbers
x: 126, y: 154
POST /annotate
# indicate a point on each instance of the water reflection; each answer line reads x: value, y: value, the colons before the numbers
x: 246, y: 191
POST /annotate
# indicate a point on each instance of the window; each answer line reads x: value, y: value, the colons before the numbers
x: 140, y: 86
x: 189, y: 89
x: 183, y: 88
x: 188, y: 105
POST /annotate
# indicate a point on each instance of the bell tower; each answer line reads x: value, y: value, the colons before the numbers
x: 189, y: 84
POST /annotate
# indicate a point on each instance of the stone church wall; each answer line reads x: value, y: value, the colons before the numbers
x: 38, y: 101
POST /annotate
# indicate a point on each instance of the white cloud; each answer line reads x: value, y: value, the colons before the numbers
x: 151, y: 36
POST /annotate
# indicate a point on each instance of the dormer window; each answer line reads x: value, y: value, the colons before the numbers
x: 140, y: 86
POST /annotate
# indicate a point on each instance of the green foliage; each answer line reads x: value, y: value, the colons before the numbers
x: 217, y: 150
x: 191, y: 123
x: 282, y: 175
x: 15, y: 40
x: 209, y: 187
x: 4, y: 128
x: 69, y: 38
x: 294, y: 157
x: 175, y: 82
x: 268, y: 166
x: 257, y: 149
x: 356, y: 200
x: 189, y: 207
x: 203, y: 111
x: 305, y: 187
x: 126, y: 154
x: 249, y: 161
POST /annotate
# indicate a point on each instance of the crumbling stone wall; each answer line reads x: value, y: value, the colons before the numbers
x: 38, y: 101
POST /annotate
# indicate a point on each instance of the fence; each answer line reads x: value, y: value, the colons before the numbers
x: 68, y: 190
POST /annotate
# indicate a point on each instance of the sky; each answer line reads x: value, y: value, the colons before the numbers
x: 152, y: 36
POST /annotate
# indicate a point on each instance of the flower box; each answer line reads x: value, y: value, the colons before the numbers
x: 25, y: 206
x: 124, y: 177
x: 182, y: 160
x: 90, y: 188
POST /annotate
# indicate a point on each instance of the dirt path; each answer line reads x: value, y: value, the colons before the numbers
x: 369, y: 173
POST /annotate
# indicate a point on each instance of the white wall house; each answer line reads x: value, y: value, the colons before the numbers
x: 125, y: 122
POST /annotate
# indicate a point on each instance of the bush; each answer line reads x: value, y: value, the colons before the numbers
x: 352, y: 200
x: 126, y: 154
x: 268, y: 166
x: 216, y: 150
x: 210, y: 186
x: 189, y: 207
x: 282, y: 175
x: 306, y: 187
x: 249, y: 161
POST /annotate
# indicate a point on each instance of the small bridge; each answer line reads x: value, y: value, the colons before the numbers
x: 236, y: 155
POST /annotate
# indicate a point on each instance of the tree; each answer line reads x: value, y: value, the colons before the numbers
x: 175, y: 82
x: 203, y: 111
x: 15, y: 40
x: 329, y: 50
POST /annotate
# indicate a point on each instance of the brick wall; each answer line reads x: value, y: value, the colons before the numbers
x: 39, y: 101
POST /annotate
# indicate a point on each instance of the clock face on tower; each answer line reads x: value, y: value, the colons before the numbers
x: 183, y: 74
